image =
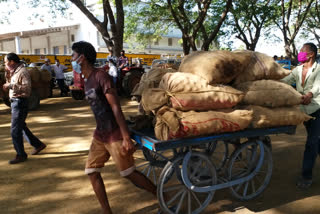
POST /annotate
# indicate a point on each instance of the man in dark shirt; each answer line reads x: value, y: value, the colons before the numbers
x: 111, y: 136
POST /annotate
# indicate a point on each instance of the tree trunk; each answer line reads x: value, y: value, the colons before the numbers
x: 185, y: 45
x: 288, y: 50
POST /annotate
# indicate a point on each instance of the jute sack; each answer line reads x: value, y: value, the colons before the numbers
x: 259, y: 66
x: 213, y: 66
x: 150, y: 79
x: 269, y: 93
x: 185, y: 92
x: 43, y: 92
x: 270, y: 117
x: 190, y: 92
x: 2, y: 77
x: 45, y: 75
x: 171, y: 124
x: 34, y: 74
x: 153, y: 98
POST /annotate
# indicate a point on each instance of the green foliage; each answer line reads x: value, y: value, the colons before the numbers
x: 249, y: 20
x: 146, y: 20
x: 151, y: 19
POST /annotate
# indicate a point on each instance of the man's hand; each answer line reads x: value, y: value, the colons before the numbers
x: 128, y: 146
x: 306, y: 99
x: 6, y: 86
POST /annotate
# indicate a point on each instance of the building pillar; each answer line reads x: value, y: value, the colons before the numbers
x: 69, y: 42
x: 30, y: 45
x: 48, y: 45
x: 17, y: 44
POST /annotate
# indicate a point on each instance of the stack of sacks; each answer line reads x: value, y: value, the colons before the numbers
x: 44, y: 89
x: 179, y: 92
x: 197, y: 89
x: 273, y: 103
x: 40, y: 81
x: 240, y: 68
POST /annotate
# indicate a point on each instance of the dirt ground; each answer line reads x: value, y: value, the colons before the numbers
x: 54, y: 181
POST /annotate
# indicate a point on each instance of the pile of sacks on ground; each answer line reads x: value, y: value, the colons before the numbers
x: 40, y: 81
x: 219, y: 91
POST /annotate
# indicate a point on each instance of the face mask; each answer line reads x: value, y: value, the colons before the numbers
x: 76, y: 66
x: 302, y: 57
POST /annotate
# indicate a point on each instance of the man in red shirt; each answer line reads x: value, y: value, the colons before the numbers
x: 111, y: 136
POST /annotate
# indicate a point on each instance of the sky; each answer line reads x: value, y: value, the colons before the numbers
x: 21, y: 21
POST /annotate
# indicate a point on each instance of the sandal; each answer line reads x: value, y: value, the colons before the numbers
x: 303, y: 183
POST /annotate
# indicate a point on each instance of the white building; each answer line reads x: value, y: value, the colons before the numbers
x: 58, y: 40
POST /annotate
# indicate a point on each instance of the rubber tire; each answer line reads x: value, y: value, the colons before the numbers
x: 129, y: 82
x: 33, y: 100
x: 77, y: 94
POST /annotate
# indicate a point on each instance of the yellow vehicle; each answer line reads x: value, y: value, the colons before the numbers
x: 146, y: 58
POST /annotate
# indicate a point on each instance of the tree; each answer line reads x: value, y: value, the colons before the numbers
x: 249, y: 18
x: 295, y: 12
x: 195, y: 19
x: 312, y: 23
x: 116, y: 22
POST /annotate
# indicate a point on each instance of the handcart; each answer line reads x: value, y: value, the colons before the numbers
x: 192, y: 169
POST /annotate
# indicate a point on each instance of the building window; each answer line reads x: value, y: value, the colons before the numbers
x: 55, y: 50
x: 169, y: 41
x: 37, y: 51
x: 156, y: 42
x: 72, y: 37
x: 65, y: 49
x: 44, y: 50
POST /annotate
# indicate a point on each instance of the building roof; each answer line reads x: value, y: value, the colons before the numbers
x: 36, y: 32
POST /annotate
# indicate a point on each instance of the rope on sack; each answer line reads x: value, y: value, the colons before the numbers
x: 169, y: 94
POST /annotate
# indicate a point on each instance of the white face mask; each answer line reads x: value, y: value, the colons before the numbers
x: 76, y: 66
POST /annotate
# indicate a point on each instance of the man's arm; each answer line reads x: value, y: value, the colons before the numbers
x: 64, y: 68
x: 113, y: 100
x: 22, y: 87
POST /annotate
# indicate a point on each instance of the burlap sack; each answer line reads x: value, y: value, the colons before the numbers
x: 190, y: 92
x: 45, y: 75
x: 34, y: 74
x: 259, y: 66
x: 2, y: 77
x: 43, y: 92
x: 270, y: 117
x: 150, y: 79
x: 269, y: 93
x: 213, y: 66
x: 153, y: 98
x: 171, y: 124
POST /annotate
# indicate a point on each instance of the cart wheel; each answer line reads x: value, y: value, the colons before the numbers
x: 243, y: 162
x: 178, y: 198
x: 153, y: 164
x: 218, y: 152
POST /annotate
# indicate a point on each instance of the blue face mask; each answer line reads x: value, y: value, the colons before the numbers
x: 76, y: 66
